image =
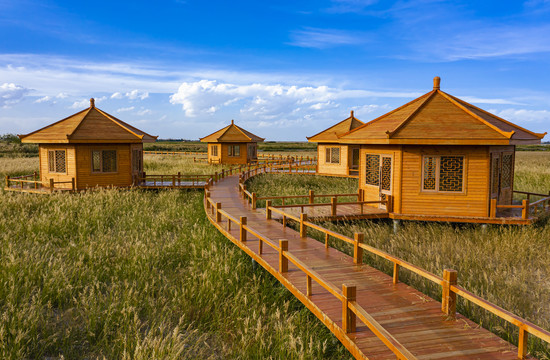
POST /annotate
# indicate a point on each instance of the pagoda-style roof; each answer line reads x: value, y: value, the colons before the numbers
x: 232, y: 133
x: 332, y: 133
x: 91, y: 125
x: 440, y: 119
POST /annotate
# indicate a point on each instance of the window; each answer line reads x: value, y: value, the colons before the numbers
x: 57, y: 161
x: 234, y: 150
x: 214, y: 150
x: 372, y: 174
x: 443, y: 173
x: 332, y: 155
x: 507, y: 171
x: 104, y: 161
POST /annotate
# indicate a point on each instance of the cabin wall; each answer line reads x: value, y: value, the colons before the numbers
x: 70, y: 164
x: 372, y: 193
x: 86, y: 178
x: 473, y: 201
x: 214, y: 159
x: 328, y: 168
x: 241, y: 159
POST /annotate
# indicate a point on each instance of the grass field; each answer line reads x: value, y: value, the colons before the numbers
x: 140, y: 275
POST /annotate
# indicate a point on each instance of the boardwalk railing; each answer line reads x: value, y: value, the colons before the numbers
x: 351, y: 310
x: 162, y: 152
x: 176, y: 180
x: 527, y: 207
x: 32, y: 182
x: 448, y: 282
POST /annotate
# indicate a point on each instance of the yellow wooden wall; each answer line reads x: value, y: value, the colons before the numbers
x: 371, y: 193
x: 223, y: 154
x: 85, y: 178
x: 70, y: 164
x: 328, y: 168
x: 473, y: 202
x: 211, y: 158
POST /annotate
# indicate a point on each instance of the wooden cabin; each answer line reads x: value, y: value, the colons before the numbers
x: 232, y: 145
x: 333, y: 157
x: 438, y: 157
x: 91, y: 148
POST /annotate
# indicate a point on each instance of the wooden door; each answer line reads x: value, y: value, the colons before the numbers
x: 385, y: 187
x: 502, y: 177
x: 137, y: 162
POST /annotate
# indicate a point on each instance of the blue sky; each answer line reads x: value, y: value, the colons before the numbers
x: 282, y: 69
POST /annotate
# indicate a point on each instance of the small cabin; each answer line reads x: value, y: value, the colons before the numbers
x: 333, y: 157
x: 90, y: 148
x: 439, y: 158
x: 232, y: 145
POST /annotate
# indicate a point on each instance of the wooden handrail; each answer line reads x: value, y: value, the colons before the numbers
x: 539, y: 202
x: 528, y: 193
x: 391, y: 342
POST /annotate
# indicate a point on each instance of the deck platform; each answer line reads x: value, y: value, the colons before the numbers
x: 413, y: 319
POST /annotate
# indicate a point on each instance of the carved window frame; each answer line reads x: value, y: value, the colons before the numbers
x: 330, y: 154
x: 438, y: 174
x: 54, y: 163
x: 101, y: 164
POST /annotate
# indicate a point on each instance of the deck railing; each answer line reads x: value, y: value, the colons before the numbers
x: 173, y: 180
x: 162, y: 152
x: 351, y: 310
x: 448, y: 283
x: 527, y: 207
x: 32, y: 182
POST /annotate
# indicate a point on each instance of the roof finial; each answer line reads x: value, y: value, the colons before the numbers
x: 92, y: 102
x: 232, y: 121
x: 437, y: 82
x: 351, y: 113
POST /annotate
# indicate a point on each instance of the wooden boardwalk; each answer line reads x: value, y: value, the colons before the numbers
x: 411, y: 324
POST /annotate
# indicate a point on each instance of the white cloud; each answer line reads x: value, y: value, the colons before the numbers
x: 523, y: 115
x: 476, y: 100
x: 43, y: 99
x: 85, y: 103
x: 125, y: 109
x: 325, y: 38
x: 117, y: 95
x: 135, y: 94
x: 62, y: 95
x: 144, y: 112
x: 11, y: 94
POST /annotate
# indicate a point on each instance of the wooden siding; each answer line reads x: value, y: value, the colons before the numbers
x: 211, y: 158
x: 329, y: 168
x: 241, y: 159
x: 70, y: 164
x: 87, y: 179
x: 473, y: 201
x: 371, y: 193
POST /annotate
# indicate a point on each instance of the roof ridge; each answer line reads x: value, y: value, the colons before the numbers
x: 338, y: 123
x: 81, y: 121
x: 541, y: 135
x: 50, y: 125
x: 119, y: 124
x: 115, y: 119
x: 410, y: 116
x: 238, y: 128
x: 507, y: 134
x: 204, y: 137
x: 384, y: 115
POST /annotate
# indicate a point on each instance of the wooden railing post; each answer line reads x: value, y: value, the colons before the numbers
x: 357, y: 249
x: 73, y: 185
x: 522, y: 343
x: 242, y: 230
x: 244, y: 191
x: 7, y: 181
x: 268, y: 209
x: 303, y: 227
x: 216, y: 176
x: 395, y: 273
x: 348, y: 317
x: 283, y: 261
x: 326, y: 240
x: 493, y: 208
x: 51, y: 185
x: 207, y: 196
x: 525, y: 209
x: 333, y: 202
x: 218, y: 214
x: 389, y: 203
x: 448, y: 301
x: 308, y: 285
x: 254, y: 201
x: 311, y: 196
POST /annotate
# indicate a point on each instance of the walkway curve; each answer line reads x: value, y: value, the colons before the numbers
x: 414, y: 321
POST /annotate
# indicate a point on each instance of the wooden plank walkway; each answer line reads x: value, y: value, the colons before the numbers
x: 413, y: 319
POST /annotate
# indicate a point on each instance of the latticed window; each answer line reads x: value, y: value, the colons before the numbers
x: 57, y: 161
x: 443, y: 173
x: 507, y: 171
x: 385, y: 177
x: 372, y: 174
x: 332, y: 155
x: 251, y: 151
x: 214, y: 150
x: 234, y: 150
x: 104, y: 161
